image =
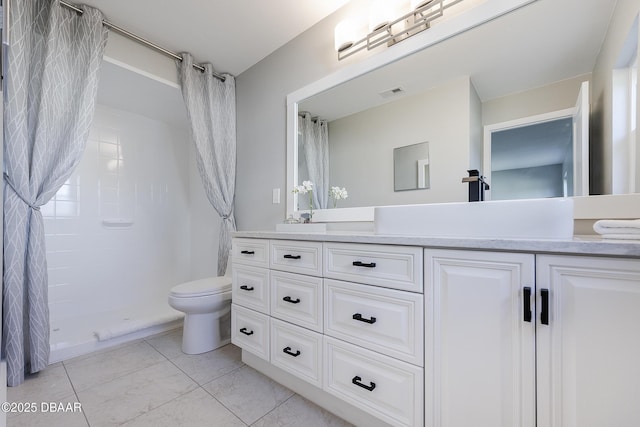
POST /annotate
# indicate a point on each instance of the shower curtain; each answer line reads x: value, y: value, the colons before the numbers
x: 211, y: 108
x: 51, y: 83
x: 315, y: 136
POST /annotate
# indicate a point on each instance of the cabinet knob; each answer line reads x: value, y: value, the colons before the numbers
x: 288, y: 299
x: 247, y: 252
x: 289, y: 256
x: 356, y: 380
x: 359, y: 317
x: 246, y: 288
x: 246, y: 332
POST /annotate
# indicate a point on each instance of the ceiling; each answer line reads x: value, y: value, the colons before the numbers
x: 231, y: 34
x: 543, y: 42
x: 540, y: 43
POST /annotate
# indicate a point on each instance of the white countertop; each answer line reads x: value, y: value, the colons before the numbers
x: 579, y: 245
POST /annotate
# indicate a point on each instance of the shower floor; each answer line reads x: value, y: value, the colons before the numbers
x: 75, y: 336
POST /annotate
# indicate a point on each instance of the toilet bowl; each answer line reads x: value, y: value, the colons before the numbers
x: 206, y: 304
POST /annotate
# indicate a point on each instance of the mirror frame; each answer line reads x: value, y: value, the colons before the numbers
x: 478, y: 15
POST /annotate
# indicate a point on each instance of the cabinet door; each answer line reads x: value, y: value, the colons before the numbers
x: 479, y: 348
x: 588, y: 342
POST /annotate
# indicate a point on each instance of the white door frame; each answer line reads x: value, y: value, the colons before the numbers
x: 511, y: 124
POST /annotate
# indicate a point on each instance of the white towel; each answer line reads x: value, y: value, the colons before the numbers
x: 618, y: 228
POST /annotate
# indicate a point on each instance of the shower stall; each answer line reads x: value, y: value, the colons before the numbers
x: 131, y: 222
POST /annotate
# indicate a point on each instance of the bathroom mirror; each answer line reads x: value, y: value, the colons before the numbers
x: 411, y: 167
x: 481, y: 65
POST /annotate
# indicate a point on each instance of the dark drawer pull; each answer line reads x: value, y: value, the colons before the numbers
x: 288, y: 299
x: 290, y: 353
x: 544, y: 312
x: 526, y: 302
x: 359, y: 317
x: 288, y: 256
x: 246, y: 288
x: 362, y: 264
x: 244, y: 331
x: 356, y: 380
x: 247, y: 252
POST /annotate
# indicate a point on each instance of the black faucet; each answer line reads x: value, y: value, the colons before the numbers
x: 477, y: 185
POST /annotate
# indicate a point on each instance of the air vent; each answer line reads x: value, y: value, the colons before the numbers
x: 391, y: 92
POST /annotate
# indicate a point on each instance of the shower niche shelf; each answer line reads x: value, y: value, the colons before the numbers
x: 117, y: 223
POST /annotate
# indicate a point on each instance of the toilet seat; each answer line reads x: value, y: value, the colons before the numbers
x: 202, y: 287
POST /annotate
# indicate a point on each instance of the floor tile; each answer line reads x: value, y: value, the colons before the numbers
x: 49, y: 415
x: 248, y: 393
x: 106, y: 366
x: 298, y: 411
x: 206, y: 367
x: 104, y: 350
x: 127, y: 397
x: 196, y: 408
x: 48, y: 385
x: 169, y: 344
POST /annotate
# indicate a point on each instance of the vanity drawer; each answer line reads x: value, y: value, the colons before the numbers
x: 253, y: 252
x: 384, y: 320
x: 297, y: 351
x: 297, y: 298
x: 398, y: 267
x: 390, y: 389
x: 250, y: 331
x: 297, y: 257
x: 250, y: 287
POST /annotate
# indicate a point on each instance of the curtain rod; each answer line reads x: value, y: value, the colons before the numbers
x: 140, y: 40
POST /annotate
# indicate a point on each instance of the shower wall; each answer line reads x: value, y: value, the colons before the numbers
x: 131, y: 222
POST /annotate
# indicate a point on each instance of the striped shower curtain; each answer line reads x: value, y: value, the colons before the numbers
x: 54, y: 58
x: 211, y: 108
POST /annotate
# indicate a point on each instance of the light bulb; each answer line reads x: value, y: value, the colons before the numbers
x: 345, y: 34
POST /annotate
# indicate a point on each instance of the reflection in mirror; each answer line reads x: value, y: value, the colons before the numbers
x: 411, y: 167
x: 313, y: 159
x: 450, y: 92
x: 532, y: 161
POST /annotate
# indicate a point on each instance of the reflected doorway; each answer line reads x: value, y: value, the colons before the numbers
x: 533, y: 161
x: 539, y: 156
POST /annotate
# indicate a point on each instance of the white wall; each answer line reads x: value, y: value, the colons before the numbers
x: 601, y: 95
x: 553, y: 97
x: 475, y: 129
x: 261, y: 116
x: 135, y: 169
x: 143, y: 60
x: 440, y: 116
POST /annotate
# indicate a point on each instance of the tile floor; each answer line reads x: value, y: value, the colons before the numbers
x: 150, y: 382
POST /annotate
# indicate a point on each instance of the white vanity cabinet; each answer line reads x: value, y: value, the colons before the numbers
x: 250, y: 296
x: 446, y: 337
x: 373, y: 326
x: 588, y: 345
x: 503, y: 349
x: 480, y: 339
x: 346, y: 318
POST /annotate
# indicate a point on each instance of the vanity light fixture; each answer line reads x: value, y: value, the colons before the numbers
x: 384, y: 28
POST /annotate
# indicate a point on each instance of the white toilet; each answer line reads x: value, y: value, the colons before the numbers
x: 206, y: 304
